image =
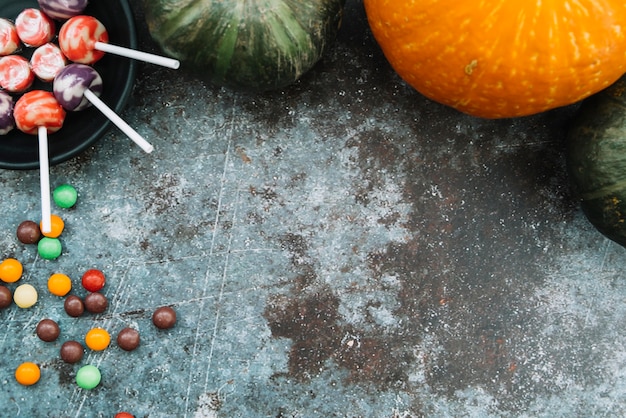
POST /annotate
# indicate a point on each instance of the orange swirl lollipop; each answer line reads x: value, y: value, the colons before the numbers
x: 84, y: 39
x: 38, y: 112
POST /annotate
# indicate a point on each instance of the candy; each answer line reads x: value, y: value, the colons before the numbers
x: 38, y: 108
x: 49, y: 248
x: 78, y: 36
x: 93, y: 280
x: 25, y: 296
x: 34, y: 28
x: 97, y: 339
x: 7, y: 123
x: 6, y: 297
x: 71, y: 351
x: 47, y: 61
x: 65, y: 196
x: 84, y: 39
x: 70, y: 85
x: 74, y: 306
x: 48, y: 330
x: 164, y: 317
x: 59, y: 284
x: 128, y: 339
x: 11, y: 270
x: 27, y: 373
x: 9, y: 41
x: 96, y: 302
x: 56, y: 227
x: 73, y: 89
x: 88, y: 377
x: 28, y: 232
x: 15, y: 74
x: 62, y: 9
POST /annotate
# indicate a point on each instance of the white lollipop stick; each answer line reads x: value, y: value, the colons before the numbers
x: 44, y: 180
x: 138, y: 55
x: 113, y: 117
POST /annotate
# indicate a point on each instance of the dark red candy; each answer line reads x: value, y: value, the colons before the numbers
x: 164, y: 317
x: 28, y: 232
x: 74, y: 306
x: 95, y: 302
x: 72, y: 351
x: 128, y: 339
x: 6, y: 297
x: 48, y: 330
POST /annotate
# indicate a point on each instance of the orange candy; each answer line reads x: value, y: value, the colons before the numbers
x: 97, y: 339
x: 27, y: 373
x: 57, y: 225
x: 59, y: 284
x: 11, y: 270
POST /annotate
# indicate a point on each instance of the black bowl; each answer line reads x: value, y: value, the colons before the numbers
x: 81, y: 129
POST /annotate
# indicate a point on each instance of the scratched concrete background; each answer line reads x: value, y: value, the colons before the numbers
x: 341, y: 248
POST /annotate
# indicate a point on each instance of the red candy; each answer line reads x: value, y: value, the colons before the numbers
x: 78, y: 36
x: 93, y: 280
x: 15, y: 73
x: 38, y: 108
x: 34, y: 28
x: 47, y: 61
x: 9, y: 41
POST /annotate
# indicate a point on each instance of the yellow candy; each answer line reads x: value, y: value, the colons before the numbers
x: 57, y: 225
x: 27, y: 373
x: 59, y: 284
x: 97, y: 339
x: 11, y: 270
x: 25, y: 296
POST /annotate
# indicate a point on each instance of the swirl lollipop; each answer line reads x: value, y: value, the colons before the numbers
x: 84, y: 39
x: 37, y: 112
x: 62, y: 9
x: 9, y: 41
x: 78, y: 85
x: 7, y: 123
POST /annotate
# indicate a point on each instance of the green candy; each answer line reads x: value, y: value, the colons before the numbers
x: 49, y: 248
x: 88, y: 377
x: 65, y: 196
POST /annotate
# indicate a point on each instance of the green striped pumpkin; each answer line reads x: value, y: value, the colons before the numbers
x: 596, y: 160
x: 248, y: 44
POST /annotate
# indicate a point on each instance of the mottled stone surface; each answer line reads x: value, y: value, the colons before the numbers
x: 342, y: 248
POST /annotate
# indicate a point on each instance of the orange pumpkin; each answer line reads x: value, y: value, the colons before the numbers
x: 502, y: 58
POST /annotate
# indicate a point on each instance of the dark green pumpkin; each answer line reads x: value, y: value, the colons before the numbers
x: 596, y: 160
x: 249, y: 44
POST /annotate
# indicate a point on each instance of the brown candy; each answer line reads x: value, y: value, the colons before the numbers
x: 74, y: 306
x: 28, y: 232
x: 72, y: 351
x: 128, y: 339
x: 95, y: 302
x: 6, y: 297
x: 48, y: 330
x: 164, y: 317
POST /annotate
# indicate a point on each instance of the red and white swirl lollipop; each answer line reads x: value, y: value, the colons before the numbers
x: 37, y: 112
x: 9, y: 41
x: 15, y: 73
x: 34, y: 27
x: 84, y: 39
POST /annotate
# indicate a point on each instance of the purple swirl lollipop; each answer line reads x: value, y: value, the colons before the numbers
x: 70, y: 84
x: 77, y: 86
x: 7, y: 122
x: 62, y: 9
